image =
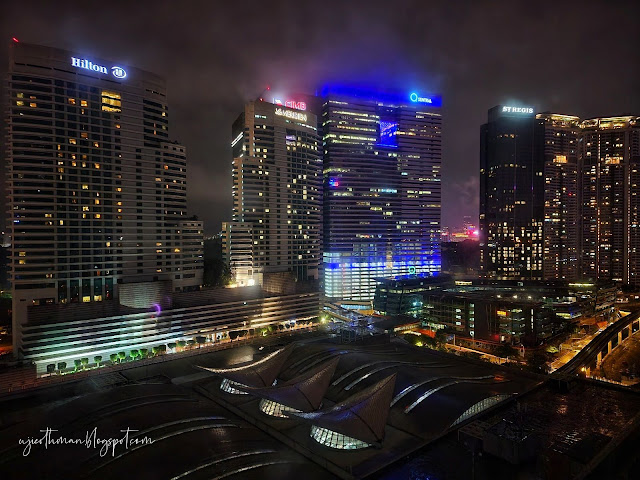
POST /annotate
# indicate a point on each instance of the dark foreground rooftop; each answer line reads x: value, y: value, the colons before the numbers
x: 432, y: 392
x: 448, y: 418
x: 192, y: 438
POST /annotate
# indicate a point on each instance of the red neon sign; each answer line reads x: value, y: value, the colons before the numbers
x: 291, y: 104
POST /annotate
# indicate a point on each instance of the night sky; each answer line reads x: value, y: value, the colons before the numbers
x: 579, y: 58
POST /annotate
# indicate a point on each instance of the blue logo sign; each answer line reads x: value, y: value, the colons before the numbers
x: 414, y: 97
x: 118, y: 72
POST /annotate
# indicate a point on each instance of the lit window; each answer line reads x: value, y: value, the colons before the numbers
x: 111, y: 101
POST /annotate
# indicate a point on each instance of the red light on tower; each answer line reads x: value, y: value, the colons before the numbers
x: 15, y: 39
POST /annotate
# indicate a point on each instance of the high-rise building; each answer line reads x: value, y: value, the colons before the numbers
x: 559, y: 136
x: 382, y: 191
x: 511, y: 195
x: 610, y: 203
x: 96, y: 189
x: 277, y: 181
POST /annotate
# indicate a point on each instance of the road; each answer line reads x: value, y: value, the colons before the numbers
x: 589, y: 352
x: 567, y: 355
x: 624, y: 357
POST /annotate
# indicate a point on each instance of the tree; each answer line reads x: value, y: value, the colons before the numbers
x: 85, y: 362
x: 77, y: 364
x: 217, y: 272
x: 113, y: 357
x: 233, y: 334
x: 155, y: 350
x: 431, y: 342
x: 201, y: 340
x: 191, y: 342
x: 280, y: 326
x: 51, y: 368
x: 122, y: 356
x: 181, y: 343
x: 412, y: 339
x: 134, y: 353
x: 505, y: 351
x: 172, y: 345
x: 62, y: 366
x: 144, y: 352
x: 441, y: 338
x: 162, y: 348
x: 538, y: 362
x: 97, y: 359
x: 272, y: 328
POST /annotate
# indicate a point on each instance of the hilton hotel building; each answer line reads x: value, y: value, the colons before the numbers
x: 96, y: 190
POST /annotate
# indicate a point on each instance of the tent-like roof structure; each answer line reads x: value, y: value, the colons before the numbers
x: 362, y: 416
x: 304, y: 392
x: 257, y: 374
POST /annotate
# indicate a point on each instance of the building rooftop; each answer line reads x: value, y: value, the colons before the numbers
x: 431, y: 392
x: 52, y: 313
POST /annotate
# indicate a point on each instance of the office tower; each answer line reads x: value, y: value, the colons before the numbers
x: 277, y: 175
x: 558, y: 136
x: 96, y: 188
x: 511, y: 195
x: 382, y: 158
x: 610, y: 163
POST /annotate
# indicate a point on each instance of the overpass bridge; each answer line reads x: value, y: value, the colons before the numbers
x: 592, y: 354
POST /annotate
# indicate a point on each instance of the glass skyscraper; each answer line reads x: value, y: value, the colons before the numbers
x: 511, y: 195
x: 382, y: 191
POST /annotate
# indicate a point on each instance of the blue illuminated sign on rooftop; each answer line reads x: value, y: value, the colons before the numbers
x: 384, y: 97
x: 415, y: 98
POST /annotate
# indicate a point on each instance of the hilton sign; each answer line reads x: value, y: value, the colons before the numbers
x: 116, y: 71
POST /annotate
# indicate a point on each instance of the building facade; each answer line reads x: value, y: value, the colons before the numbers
x: 559, y: 135
x: 96, y: 188
x: 57, y: 334
x: 382, y: 191
x: 511, y: 195
x: 277, y: 181
x: 610, y: 203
